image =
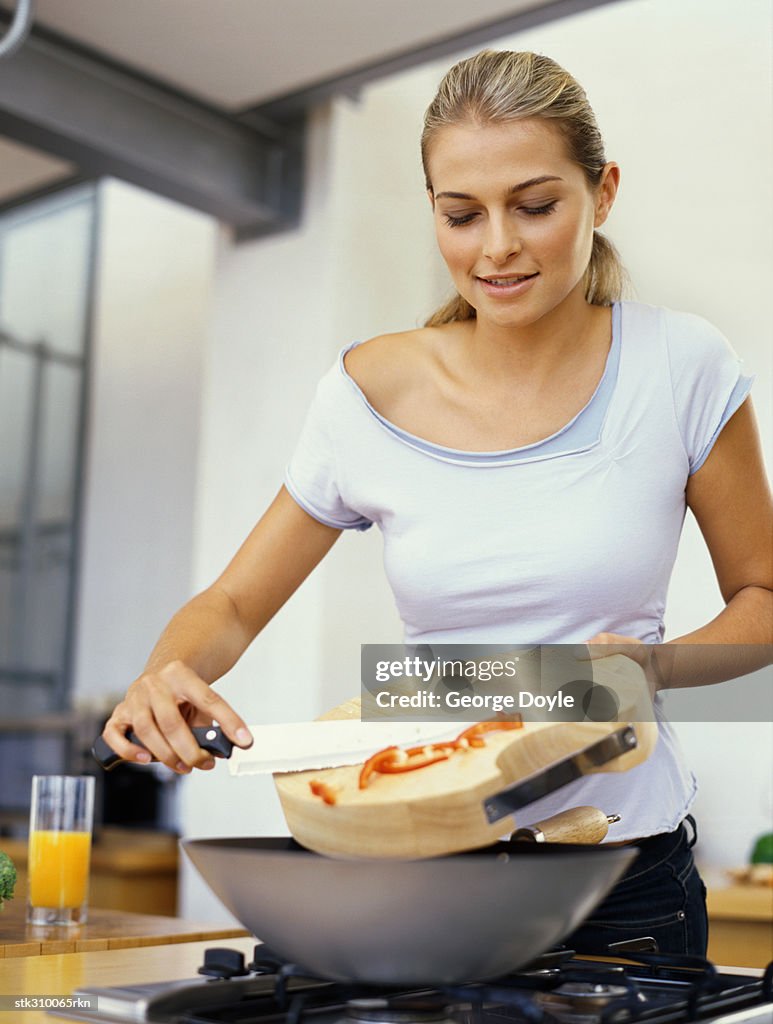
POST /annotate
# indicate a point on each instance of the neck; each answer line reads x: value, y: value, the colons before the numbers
x: 537, y: 350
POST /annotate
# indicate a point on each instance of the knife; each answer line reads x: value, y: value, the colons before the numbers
x: 209, y: 737
x: 302, y: 746
x: 559, y: 774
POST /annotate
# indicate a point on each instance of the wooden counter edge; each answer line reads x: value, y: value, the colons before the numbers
x: 13, y: 951
x: 109, y: 929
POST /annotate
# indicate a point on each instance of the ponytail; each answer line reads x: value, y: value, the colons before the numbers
x: 606, y: 279
x: 455, y: 309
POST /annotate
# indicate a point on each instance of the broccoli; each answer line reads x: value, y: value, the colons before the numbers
x: 7, y: 878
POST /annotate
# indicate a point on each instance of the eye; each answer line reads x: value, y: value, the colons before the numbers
x: 537, y: 211
x: 456, y: 222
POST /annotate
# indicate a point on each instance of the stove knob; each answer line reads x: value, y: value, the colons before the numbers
x: 265, y: 960
x: 223, y: 963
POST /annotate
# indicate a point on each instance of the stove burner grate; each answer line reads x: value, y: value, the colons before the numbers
x: 407, y: 1009
x: 584, y: 1001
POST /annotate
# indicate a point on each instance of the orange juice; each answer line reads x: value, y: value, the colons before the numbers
x: 58, y: 868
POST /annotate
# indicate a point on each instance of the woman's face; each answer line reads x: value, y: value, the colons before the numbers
x: 514, y: 217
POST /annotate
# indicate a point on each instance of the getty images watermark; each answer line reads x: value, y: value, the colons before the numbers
x: 568, y: 682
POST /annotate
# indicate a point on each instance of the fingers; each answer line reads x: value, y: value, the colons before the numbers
x: 218, y: 710
x: 604, y: 645
x: 114, y: 734
x: 159, y: 708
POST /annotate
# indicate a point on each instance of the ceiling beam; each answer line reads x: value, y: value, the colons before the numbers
x: 246, y: 168
x: 109, y: 121
x: 350, y: 82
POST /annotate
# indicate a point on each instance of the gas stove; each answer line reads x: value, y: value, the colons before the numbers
x: 558, y: 988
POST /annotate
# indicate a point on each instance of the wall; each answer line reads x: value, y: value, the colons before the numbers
x: 663, y: 76
x: 155, y: 268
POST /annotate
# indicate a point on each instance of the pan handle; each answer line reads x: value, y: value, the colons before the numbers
x: 577, y: 825
x: 209, y: 737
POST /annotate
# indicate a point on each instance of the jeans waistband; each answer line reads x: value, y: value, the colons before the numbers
x: 654, y: 849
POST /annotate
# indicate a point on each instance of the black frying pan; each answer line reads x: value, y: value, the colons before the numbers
x: 443, y: 920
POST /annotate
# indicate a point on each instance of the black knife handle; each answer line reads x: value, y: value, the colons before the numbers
x: 209, y: 737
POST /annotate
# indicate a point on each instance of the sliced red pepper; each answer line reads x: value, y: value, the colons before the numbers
x: 322, y: 789
x: 393, y: 761
x: 474, y: 735
x: 373, y: 762
x: 433, y: 747
x: 418, y: 757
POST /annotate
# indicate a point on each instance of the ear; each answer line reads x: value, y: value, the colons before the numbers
x: 606, y: 190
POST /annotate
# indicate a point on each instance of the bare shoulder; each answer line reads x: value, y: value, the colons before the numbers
x: 390, y: 364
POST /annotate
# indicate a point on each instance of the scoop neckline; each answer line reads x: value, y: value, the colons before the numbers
x: 536, y: 448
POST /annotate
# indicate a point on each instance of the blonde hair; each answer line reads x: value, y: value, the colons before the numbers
x: 500, y: 86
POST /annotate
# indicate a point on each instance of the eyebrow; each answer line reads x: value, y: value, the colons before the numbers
x: 516, y: 188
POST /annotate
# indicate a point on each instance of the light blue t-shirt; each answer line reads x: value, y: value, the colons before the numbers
x: 549, y: 543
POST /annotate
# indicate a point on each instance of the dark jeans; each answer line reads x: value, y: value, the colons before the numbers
x: 661, y: 895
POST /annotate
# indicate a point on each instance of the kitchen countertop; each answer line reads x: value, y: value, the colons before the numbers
x: 131, y: 869
x: 63, y: 973
x: 740, y: 902
x: 740, y: 924
x: 105, y: 930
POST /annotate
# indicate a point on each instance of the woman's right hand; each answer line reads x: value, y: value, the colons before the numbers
x: 159, y: 708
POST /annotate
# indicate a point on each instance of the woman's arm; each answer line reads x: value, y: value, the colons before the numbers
x: 731, y: 500
x: 208, y: 636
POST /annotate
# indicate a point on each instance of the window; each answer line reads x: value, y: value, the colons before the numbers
x: 46, y: 276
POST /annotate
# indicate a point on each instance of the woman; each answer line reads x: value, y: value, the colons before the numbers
x: 528, y: 455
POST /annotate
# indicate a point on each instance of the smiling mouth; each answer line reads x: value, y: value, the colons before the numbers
x: 503, y: 282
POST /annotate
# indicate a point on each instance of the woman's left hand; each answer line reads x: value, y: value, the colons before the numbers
x: 602, y: 645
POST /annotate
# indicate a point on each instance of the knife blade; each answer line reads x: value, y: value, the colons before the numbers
x: 559, y: 774
x: 302, y: 746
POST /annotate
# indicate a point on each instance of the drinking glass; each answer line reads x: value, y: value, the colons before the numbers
x: 61, y: 820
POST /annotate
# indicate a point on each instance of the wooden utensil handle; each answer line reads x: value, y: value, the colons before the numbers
x: 577, y: 825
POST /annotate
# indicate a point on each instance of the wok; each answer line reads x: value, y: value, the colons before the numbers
x: 443, y: 920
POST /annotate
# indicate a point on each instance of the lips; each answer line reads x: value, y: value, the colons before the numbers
x: 504, y: 287
x: 507, y: 280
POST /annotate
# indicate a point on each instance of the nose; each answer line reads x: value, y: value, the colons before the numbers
x: 501, y: 240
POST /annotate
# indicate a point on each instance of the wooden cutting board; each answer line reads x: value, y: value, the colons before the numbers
x: 439, y: 809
